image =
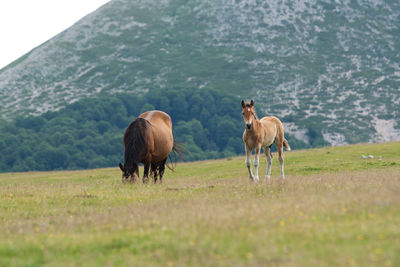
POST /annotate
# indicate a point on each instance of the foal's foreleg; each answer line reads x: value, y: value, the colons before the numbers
x: 248, y: 162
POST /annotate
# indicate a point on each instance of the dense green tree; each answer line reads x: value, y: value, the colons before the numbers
x: 146, y: 107
x: 49, y: 158
x: 88, y: 133
x: 235, y: 144
x: 103, y: 126
x: 34, y: 123
x: 224, y: 129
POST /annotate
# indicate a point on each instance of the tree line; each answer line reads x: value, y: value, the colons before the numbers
x: 88, y: 133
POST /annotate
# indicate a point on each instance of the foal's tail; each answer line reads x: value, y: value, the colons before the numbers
x: 286, y: 144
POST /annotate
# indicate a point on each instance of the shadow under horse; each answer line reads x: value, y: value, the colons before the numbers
x: 148, y: 140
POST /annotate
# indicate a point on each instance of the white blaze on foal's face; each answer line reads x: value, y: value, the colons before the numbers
x: 248, y: 114
x: 248, y: 119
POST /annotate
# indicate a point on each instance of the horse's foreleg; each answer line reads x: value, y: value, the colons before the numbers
x: 135, y: 174
x: 146, y: 173
x: 248, y: 162
x: 255, y: 163
x: 269, y: 162
x: 280, y: 155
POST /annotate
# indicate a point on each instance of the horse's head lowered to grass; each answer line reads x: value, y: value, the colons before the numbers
x: 129, y: 174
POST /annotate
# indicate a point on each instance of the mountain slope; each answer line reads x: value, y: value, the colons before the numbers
x: 325, y: 69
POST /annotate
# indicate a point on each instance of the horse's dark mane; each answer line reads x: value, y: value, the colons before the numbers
x: 136, y: 141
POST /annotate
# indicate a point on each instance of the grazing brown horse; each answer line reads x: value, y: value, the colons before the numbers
x: 262, y: 134
x: 147, y: 140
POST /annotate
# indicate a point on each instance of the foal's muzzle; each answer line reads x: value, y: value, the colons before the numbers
x: 248, y: 126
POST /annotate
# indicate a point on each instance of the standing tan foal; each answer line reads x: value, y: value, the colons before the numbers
x: 262, y: 134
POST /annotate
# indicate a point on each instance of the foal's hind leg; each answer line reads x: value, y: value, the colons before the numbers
x: 280, y: 155
x: 256, y: 163
x: 268, y: 154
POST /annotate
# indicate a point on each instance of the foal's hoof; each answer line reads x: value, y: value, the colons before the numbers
x: 252, y: 179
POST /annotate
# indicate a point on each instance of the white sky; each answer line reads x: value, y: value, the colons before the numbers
x: 25, y: 24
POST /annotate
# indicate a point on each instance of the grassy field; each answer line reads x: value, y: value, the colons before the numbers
x: 334, y: 209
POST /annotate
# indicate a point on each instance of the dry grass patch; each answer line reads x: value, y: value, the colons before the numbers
x: 207, y: 213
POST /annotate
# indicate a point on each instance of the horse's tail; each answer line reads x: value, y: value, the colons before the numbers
x: 286, y: 144
x: 177, y: 151
x: 136, y: 141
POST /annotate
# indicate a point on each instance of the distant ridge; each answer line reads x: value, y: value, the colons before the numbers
x: 326, y: 69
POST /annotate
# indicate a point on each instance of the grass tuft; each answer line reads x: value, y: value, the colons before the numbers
x: 334, y: 209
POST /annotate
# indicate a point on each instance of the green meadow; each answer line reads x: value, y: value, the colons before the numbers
x: 334, y: 209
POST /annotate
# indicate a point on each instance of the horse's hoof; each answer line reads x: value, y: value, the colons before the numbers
x: 129, y: 180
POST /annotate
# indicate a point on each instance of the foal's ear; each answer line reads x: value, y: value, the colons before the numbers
x: 242, y: 103
x: 251, y: 103
x: 121, y: 167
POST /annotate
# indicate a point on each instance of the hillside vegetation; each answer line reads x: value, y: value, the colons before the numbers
x: 334, y: 209
x: 325, y: 68
x: 88, y: 133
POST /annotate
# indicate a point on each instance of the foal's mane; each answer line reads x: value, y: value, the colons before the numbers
x: 254, y: 110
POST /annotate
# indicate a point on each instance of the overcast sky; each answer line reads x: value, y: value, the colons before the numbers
x: 25, y: 24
